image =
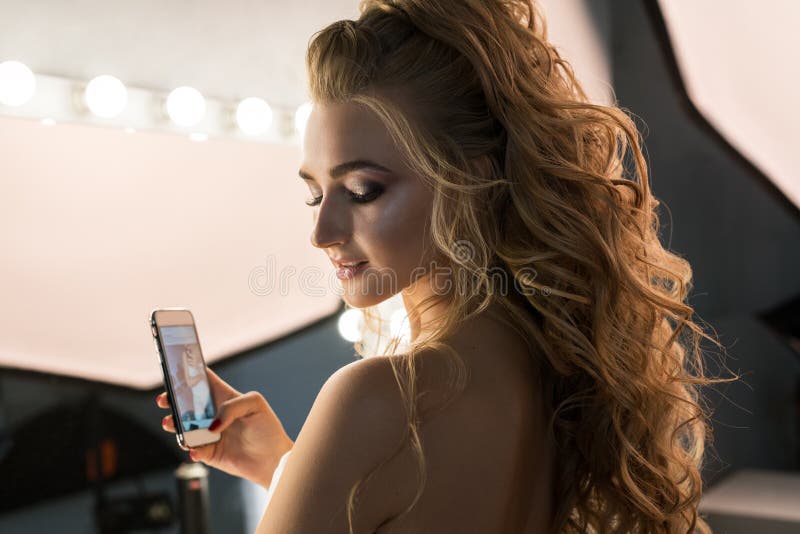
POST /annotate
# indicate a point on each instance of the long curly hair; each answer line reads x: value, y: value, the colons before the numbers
x: 556, y: 210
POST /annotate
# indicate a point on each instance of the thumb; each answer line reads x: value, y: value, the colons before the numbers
x: 203, y: 453
x: 236, y: 408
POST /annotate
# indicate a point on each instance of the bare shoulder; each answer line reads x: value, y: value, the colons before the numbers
x: 371, y: 373
x: 489, y: 435
x: 355, y: 421
x: 499, y: 353
x: 368, y: 391
x: 358, y: 421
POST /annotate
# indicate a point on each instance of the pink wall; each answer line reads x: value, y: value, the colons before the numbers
x: 98, y: 227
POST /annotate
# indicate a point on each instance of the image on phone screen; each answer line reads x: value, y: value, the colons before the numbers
x: 188, y: 377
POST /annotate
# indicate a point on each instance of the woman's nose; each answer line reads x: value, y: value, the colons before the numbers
x: 331, y: 225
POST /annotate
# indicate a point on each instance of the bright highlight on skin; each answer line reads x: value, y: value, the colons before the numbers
x: 301, y: 118
x: 17, y: 83
x: 106, y: 96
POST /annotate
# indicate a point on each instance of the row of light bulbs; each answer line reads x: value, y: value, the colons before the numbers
x: 107, y: 97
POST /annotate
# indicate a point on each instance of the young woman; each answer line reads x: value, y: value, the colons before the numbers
x: 550, y: 382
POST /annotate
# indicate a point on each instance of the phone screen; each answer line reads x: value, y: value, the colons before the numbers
x: 187, y: 373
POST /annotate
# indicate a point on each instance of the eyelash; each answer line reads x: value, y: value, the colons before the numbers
x: 361, y: 199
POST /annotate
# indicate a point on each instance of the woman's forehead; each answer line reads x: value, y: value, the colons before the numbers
x: 341, y: 132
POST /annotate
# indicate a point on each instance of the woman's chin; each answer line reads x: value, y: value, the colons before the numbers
x: 357, y: 300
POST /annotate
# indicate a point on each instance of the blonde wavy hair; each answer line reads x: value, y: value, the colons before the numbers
x: 597, y: 298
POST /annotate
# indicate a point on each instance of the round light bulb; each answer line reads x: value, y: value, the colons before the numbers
x: 186, y: 106
x: 17, y: 83
x: 106, y: 96
x: 253, y: 115
x: 301, y: 117
x: 350, y: 323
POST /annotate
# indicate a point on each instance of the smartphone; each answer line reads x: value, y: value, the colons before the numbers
x: 185, y: 376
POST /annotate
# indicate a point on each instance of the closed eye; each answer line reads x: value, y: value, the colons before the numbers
x: 358, y: 198
x: 314, y: 201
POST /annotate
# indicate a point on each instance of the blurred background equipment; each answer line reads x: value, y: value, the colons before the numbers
x: 76, y: 447
x: 192, y: 479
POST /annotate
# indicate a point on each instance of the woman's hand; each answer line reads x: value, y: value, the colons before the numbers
x: 253, y: 438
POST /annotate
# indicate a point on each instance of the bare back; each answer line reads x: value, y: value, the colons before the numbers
x: 489, y: 466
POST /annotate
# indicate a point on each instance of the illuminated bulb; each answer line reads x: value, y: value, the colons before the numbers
x: 106, y: 96
x: 301, y: 117
x: 253, y: 115
x: 350, y: 323
x: 399, y: 326
x: 17, y: 83
x: 186, y: 106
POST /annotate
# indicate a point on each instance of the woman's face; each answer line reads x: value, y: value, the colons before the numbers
x: 369, y: 205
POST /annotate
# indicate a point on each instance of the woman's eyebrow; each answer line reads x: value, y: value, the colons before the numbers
x: 349, y: 166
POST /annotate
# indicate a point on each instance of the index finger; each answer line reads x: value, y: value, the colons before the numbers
x: 161, y: 400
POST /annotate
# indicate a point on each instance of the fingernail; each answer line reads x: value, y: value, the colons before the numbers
x: 214, y: 424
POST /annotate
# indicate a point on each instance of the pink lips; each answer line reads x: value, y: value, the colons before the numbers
x: 345, y: 273
x: 339, y: 262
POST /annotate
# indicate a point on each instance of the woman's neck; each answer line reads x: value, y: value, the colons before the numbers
x: 423, y: 322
